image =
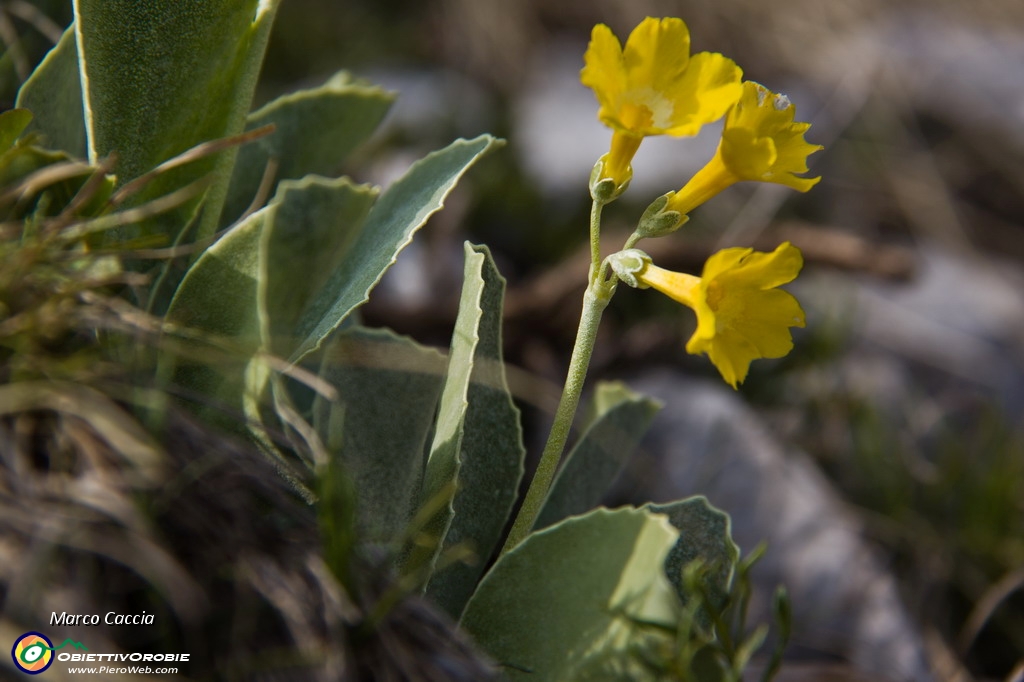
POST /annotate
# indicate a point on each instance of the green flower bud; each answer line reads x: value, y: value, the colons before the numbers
x: 603, y: 189
x: 657, y: 221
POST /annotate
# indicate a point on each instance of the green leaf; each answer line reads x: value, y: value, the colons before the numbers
x: 619, y: 418
x: 217, y: 300
x: 442, y: 471
x: 704, y: 535
x: 315, y: 130
x: 490, y: 449
x: 389, y: 387
x: 22, y: 161
x: 402, y: 210
x: 336, y: 511
x: 310, y: 226
x: 12, y: 125
x: 162, y: 77
x: 565, y: 599
x: 53, y: 93
x: 250, y: 287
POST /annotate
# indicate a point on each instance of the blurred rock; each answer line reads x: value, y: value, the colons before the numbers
x: 433, y: 105
x: 967, y: 74
x: 961, y: 319
x: 845, y: 603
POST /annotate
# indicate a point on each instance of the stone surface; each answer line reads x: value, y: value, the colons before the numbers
x: 845, y: 604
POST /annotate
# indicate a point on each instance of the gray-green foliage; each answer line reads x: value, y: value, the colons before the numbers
x: 218, y: 299
x: 376, y: 431
x: 309, y: 233
x: 571, y: 592
x: 408, y: 450
x: 344, y: 113
x: 159, y: 78
x: 53, y: 93
x: 397, y: 215
x: 705, y: 538
x: 190, y: 78
x: 12, y: 125
x: 306, y: 260
x: 618, y: 419
x: 479, y: 447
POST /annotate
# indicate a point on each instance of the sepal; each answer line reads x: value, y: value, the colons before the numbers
x: 628, y: 264
x: 658, y: 221
x: 603, y: 189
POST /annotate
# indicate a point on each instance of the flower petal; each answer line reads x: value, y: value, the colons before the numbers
x: 731, y: 355
x: 766, y: 322
x: 652, y: 86
x: 604, y: 71
x: 656, y: 55
x: 723, y: 261
x: 746, y: 155
x: 762, y: 142
x: 761, y: 270
x: 704, y: 93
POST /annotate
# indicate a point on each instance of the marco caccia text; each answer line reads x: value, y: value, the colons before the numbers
x: 110, y: 618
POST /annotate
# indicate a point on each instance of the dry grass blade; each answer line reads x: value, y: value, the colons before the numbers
x: 263, y: 191
x: 995, y: 595
x: 314, y: 444
x: 45, y: 177
x: 140, y: 213
x: 9, y: 35
x: 104, y: 416
x: 137, y: 320
x: 169, y: 252
x: 88, y: 190
x: 33, y: 16
x: 303, y: 376
x: 138, y: 551
x: 197, y: 152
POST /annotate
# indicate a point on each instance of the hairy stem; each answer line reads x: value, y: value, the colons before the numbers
x: 595, y: 242
x: 595, y: 300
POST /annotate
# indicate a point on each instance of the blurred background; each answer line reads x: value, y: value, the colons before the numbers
x: 883, y: 460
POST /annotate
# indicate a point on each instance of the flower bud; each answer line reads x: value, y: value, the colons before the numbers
x: 657, y: 221
x: 604, y: 189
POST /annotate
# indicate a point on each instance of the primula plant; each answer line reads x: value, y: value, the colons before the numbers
x: 153, y: 221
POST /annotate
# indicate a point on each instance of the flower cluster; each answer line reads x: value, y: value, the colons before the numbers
x: 654, y: 86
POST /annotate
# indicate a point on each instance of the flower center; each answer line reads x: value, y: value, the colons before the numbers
x: 646, y: 107
x: 636, y: 116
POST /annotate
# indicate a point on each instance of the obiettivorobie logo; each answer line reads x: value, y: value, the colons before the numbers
x: 33, y: 652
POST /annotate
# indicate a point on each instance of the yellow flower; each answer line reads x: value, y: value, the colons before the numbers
x: 760, y: 142
x: 654, y: 87
x: 741, y: 315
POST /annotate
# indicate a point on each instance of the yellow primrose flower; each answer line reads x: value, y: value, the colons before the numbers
x: 654, y: 87
x: 760, y: 142
x: 741, y: 315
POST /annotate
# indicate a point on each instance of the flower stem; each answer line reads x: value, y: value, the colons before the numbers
x: 595, y: 241
x: 595, y: 300
x: 632, y: 241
